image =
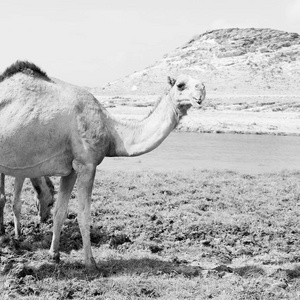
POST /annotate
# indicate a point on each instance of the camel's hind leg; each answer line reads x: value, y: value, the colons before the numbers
x: 60, y: 211
x: 2, y: 203
x: 17, y: 205
x: 86, y: 175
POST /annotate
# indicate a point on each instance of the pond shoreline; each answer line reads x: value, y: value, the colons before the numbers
x: 259, y: 115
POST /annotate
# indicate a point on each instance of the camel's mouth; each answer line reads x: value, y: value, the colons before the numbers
x: 200, y: 100
x: 197, y: 102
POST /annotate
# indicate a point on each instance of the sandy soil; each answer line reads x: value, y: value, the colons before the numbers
x: 246, y: 114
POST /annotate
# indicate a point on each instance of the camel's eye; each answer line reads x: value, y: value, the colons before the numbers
x: 181, y: 86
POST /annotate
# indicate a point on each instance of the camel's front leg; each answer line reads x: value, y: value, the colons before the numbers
x: 60, y: 211
x: 17, y: 205
x: 2, y: 203
x: 86, y: 175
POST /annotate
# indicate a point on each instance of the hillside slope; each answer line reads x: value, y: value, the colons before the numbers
x: 229, y: 61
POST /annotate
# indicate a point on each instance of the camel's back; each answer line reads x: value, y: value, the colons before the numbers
x: 25, y: 91
x: 25, y: 98
x: 24, y: 84
x: 44, y: 104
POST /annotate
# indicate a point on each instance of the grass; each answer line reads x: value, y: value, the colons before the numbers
x: 188, y: 235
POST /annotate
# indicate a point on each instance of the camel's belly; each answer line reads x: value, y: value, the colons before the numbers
x: 58, y: 165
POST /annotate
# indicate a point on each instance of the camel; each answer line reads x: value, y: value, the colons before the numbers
x: 51, y: 128
x: 44, y: 198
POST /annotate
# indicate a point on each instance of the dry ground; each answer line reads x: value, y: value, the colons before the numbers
x: 196, y: 235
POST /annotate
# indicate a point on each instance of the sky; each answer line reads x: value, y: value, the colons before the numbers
x: 93, y: 42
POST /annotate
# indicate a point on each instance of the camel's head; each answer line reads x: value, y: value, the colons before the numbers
x: 44, y: 197
x: 186, y: 92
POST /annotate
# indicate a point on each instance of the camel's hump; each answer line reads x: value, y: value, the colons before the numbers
x: 26, y: 68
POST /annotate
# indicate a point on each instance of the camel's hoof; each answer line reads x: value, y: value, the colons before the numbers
x: 94, y: 271
x: 55, y: 257
x: 91, y: 268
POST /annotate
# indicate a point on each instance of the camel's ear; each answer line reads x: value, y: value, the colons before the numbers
x: 171, y: 81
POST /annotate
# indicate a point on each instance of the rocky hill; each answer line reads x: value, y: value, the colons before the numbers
x: 229, y: 61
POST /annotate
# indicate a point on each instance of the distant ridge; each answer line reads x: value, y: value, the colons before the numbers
x: 228, y: 61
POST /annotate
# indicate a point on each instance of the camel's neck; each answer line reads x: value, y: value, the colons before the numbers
x: 133, y: 138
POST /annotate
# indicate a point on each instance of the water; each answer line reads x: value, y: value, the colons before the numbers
x: 249, y: 154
